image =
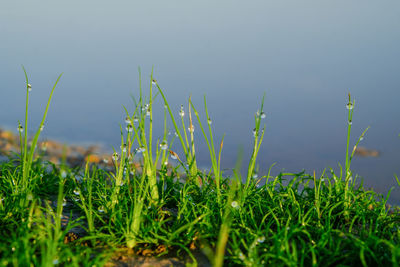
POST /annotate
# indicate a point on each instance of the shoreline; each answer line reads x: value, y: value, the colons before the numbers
x: 57, y: 151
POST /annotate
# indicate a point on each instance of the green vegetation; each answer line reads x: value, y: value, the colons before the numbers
x: 145, y: 203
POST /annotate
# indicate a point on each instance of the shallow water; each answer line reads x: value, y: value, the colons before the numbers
x: 306, y: 56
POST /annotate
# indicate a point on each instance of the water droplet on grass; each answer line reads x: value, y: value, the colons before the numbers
x: 154, y: 82
x: 349, y: 106
x: 164, y: 145
x: 235, y: 204
x: 43, y: 146
x: 141, y: 149
x: 181, y: 112
x: 173, y: 155
x: 20, y: 128
x: 350, y: 122
x: 77, y: 192
x: 254, y: 132
x: 241, y: 256
x: 261, y: 239
x: 191, y: 128
x: 263, y: 115
x: 123, y: 148
x: 115, y: 156
x: 100, y: 209
x: 209, y: 121
x: 127, y: 120
x: 129, y: 128
x: 41, y: 128
x: 29, y: 86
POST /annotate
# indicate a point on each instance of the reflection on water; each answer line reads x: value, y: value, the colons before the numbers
x: 305, y: 56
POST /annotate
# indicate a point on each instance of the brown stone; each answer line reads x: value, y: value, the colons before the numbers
x: 147, y: 252
x: 365, y: 152
x: 7, y: 135
x: 93, y: 159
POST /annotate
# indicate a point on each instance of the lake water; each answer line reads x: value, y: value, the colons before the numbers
x: 305, y: 55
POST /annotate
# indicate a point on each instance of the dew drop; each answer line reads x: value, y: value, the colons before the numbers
x: 241, y: 256
x: 76, y: 192
x: 263, y: 115
x: 234, y: 204
x: 20, y: 128
x: 164, y: 145
x: 129, y: 128
x: 43, y: 146
x: 254, y: 132
x: 141, y: 149
x: 349, y: 106
x: 181, y: 112
x: 191, y: 128
x: 261, y: 239
x: 29, y: 86
x: 100, y: 209
x: 115, y: 156
x: 209, y: 121
x: 123, y: 148
x: 127, y: 120
x: 173, y: 155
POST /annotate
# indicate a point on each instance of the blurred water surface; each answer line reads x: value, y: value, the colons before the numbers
x: 305, y: 55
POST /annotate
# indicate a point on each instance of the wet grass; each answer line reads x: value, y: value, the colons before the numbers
x: 292, y: 219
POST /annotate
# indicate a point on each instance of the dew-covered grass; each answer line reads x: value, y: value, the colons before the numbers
x: 156, y: 199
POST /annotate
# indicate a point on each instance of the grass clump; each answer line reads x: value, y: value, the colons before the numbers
x: 145, y: 206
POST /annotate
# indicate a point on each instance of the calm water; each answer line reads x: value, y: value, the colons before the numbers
x: 305, y: 55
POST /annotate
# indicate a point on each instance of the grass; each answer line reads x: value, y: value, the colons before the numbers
x: 292, y: 219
